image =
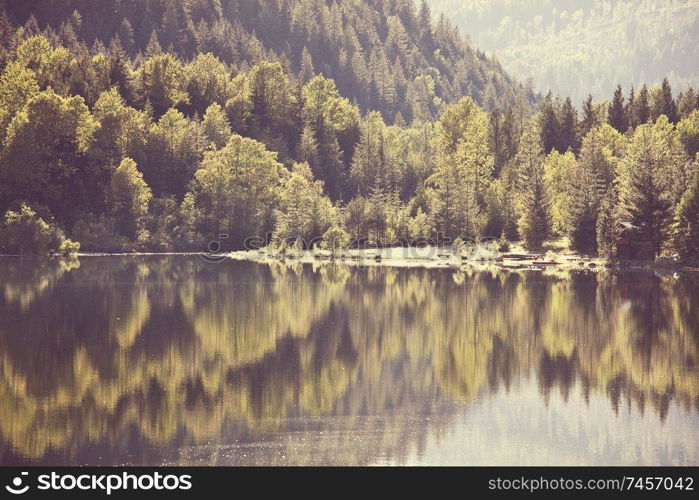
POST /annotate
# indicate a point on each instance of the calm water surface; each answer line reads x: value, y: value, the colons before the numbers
x: 151, y: 360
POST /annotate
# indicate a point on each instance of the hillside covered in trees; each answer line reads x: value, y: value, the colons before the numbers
x: 576, y: 47
x: 384, y: 55
x: 147, y: 141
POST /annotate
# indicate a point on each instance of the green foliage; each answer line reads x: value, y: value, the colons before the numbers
x: 618, y: 117
x: 647, y: 176
x: 535, y: 220
x: 688, y: 131
x: 122, y: 131
x: 17, y: 86
x: 297, y: 116
x: 24, y: 232
x: 215, y: 126
x: 44, y: 157
x: 335, y: 239
x: 686, y: 226
x: 559, y: 170
x: 236, y: 188
x: 387, y: 57
x: 601, y: 150
x: 369, y: 162
x: 586, y: 192
x: 128, y: 197
x: 608, y: 229
x: 50, y: 65
x: 304, y: 211
x: 160, y: 82
x: 208, y: 82
x: 175, y: 147
x: 419, y: 226
x: 98, y: 234
x: 464, y: 170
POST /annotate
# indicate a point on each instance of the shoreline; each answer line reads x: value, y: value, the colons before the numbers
x: 409, y: 257
x: 446, y: 259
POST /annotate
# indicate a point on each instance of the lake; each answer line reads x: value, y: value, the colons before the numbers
x: 174, y: 360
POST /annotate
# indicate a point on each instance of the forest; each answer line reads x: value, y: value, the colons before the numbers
x: 616, y: 41
x: 169, y: 123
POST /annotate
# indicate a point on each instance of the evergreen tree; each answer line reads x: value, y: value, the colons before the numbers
x: 549, y: 125
x: 424, y: 22
x: 307, y: 72
x: 160, y: 82
x: 496, y: 141
x: 586, y: 194
x: 668, y: 107
x: 617, y: 112
x: 641, y: 108
x: 568, y: 133
x: 688, y: 101
x: 646, y: 183
x: 629, y: 109
x: 588, y: 119
x: 510, y: 135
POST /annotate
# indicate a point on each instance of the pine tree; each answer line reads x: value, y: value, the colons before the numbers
x: 568, y: 134
x: 688, y: 133
x: 125, y: 34
x: 646, y: 183
x: 306, y: 72
x: 548, y: 124
x: 617, y: 112
x: 510, y: 135
x: 424, y: 22
x: 153, y: 48
x: 668, y: 107
x: 588, y: 120
x: 586, y: 191
x: 642, y: 107
x: 688, y: 102
x: 629, y: 109
x: 496, y: 141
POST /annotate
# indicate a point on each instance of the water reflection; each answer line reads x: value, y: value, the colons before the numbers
x: 174, y: 360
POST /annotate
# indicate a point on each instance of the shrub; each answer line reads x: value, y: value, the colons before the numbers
x: 24, y: 232
x: 98, y: 235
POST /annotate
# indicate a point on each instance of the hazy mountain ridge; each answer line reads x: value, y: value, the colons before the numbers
x: 575, y: 47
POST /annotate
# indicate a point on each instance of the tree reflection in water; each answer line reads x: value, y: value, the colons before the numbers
x: 151, y: 359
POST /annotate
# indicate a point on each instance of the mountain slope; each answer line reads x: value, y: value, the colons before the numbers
x: 576, y: 47
x: 383, y: 54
